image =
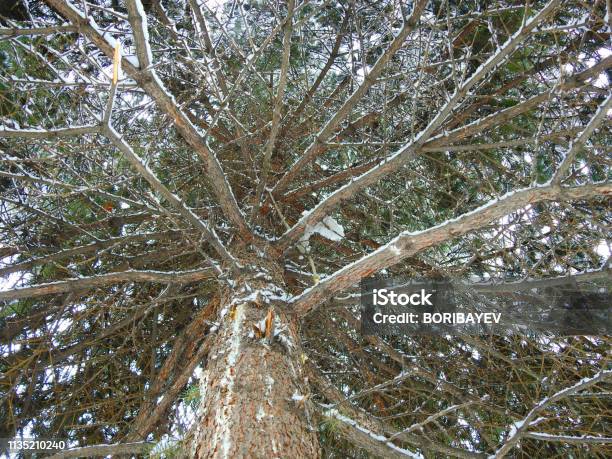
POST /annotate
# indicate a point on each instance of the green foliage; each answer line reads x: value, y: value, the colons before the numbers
x: 167, y: 449
x: 191, y: 396
x: 20, y: 307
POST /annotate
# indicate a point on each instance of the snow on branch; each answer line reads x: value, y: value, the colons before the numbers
x: 101, y: 280
x: 374, y: 443
x: 409, y: 243
x: 518, y: 429
x: 407, y: 152
x: 48, y: 133
x: 328, y: 129
x: 148, y: 80
x: 578, y: 143
x: 138, y: 21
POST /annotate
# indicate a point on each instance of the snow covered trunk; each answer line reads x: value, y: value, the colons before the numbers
x: 253, y: 389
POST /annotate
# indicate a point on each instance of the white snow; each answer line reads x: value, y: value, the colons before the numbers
x: 269, y: 293
x: 145, y: 31
x: 223, y: 416
x: 329, y: 228
x: 380, y: 438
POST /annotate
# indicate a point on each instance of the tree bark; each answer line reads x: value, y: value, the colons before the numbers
x: 254, y: 400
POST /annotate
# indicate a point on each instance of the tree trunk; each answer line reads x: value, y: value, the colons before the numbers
x: 253, y: 389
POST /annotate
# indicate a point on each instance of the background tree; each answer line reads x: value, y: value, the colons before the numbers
x: 182, y: 244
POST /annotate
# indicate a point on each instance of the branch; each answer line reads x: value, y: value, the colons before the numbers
x: 138, y: 21
x: 578, y: 143
x: 404, y: 154
x: 278, y: 105
x: 409, y: 243
x: 177, y: 203
x: 16, y: 32
x: 585, y: 439
x: 84, y: 283
x: 201, y: 23
x: 431, y: 418
x: 104, y: 450
x: 326, y: 132
x: 517, y: 430
x: 149, y: 81
x: 48, y: 133
x: 362, y: 418
x: 377, y: 445
x: 85, y: 249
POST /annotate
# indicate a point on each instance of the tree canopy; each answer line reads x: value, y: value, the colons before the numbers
x: 150, y: 151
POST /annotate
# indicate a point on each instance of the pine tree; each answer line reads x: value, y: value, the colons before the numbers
x: 193, y: 190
